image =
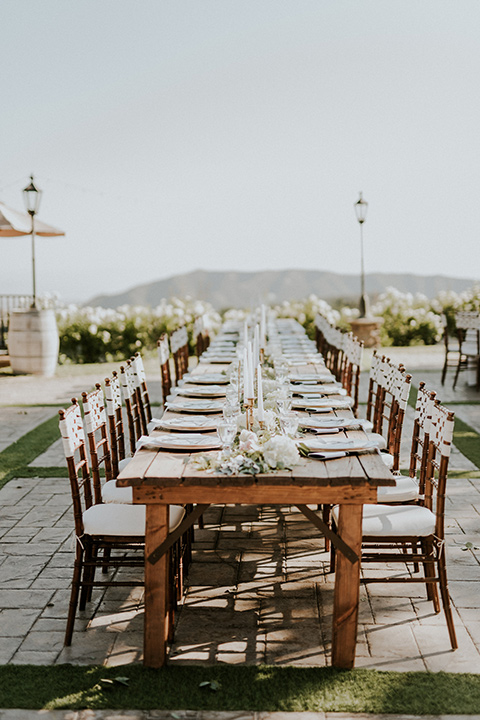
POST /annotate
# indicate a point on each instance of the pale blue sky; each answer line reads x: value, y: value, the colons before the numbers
x: 171, y: 135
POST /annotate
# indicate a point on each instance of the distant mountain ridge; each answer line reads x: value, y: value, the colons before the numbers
x: 243, y: 289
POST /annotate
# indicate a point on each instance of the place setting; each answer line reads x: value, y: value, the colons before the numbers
x: 201, y: 391
x: 194, y: 406
x: 206, y: 379
x: 196, y: 423
x: 183, y: 441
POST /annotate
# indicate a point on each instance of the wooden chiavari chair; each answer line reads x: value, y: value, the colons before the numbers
x: 390, y: 530
x: 143, y: 398
x: 163, y: 349
x: 352, y: 365
x: 468, y: 333
x: 132, y: 406
x: 179, y: 348
x: 113, y: 402
x: 99, y: 527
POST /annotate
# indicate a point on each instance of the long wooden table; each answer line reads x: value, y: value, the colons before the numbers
x: 162, y: 478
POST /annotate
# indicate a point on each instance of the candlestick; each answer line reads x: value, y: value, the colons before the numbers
x: 250, y: 389
x: 256, y: 345
x: 263, y: 327
x: 245, y: 375
x: 249, y: 413
x: 260, y: 410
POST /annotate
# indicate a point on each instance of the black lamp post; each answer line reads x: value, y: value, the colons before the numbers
x: 32, y: 196
x: 361, y: 212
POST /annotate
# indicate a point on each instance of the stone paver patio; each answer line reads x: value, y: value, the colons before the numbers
x: 258, y: 589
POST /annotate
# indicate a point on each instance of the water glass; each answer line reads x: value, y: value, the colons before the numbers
x: 289, y: 423
x: 281, y: 370
x: 284, y: 401
x: 226, y: 432
x: 231, y: 408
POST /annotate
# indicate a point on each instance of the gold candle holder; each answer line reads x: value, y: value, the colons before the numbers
x: 249, y: 413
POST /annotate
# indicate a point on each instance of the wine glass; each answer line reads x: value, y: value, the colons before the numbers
x: 284, y: 400
x: 231, y: 408
x: 226, y: 432
x: 281, y: 369
x: 289, y: 423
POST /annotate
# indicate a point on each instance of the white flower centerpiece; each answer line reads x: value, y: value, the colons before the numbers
x: 253, y: 452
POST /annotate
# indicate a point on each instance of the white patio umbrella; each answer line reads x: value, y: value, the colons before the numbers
x: 14, y: 224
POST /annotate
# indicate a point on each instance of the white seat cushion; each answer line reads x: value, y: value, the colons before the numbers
x: 367, y: 425
x: 113, y: 494
x: 404, y: 490
x: 395, y: 520
x: 123, y: 463
x: 117, y: 519
x: 387, y: 459
x: 378, y: 439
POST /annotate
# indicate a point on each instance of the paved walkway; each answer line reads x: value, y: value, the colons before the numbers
x: 258, y: 587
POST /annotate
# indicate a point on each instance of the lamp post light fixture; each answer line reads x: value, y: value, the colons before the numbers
x: 361, y: 212
x: 32, y: 196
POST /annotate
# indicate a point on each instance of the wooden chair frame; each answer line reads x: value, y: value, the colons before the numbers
x: 90, y: 549
x: 113, y: 402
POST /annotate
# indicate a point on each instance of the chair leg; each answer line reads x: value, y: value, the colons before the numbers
x: 106, y: 558
x: 87, y: 579
x: 447, y: 608
x: 72, y: 608
x: 444, y: 372
x: 429, y: 570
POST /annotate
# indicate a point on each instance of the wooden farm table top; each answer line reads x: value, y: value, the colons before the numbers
x: 160, y: 478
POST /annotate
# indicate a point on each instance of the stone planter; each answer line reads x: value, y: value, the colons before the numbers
x: 33, y: 342
x: 368, y: 330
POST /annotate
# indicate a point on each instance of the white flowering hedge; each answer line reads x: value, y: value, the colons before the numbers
x: 407, y: 319
x: 98, y: 335
x: 89, y: 335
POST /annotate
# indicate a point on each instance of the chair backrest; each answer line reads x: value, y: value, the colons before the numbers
x: 467, y: 320
x: 198, y: 336
x: 132, y: 407
x: 179, y: 347
x: 421, y: 433
x: 353, y: 351
x: 392, y: 398
x: 113, y: 402
x: 374, y: 386
x: 95, y: 422
x: 439, y: 447
x: 141, y: 389
x: 163, y: 349
x: 73, y: 440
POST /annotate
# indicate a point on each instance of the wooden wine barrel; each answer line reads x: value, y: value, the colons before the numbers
x: 33, y: 342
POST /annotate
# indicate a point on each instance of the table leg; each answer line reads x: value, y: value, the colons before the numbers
x: 347, y: 589
x: 156, y: 588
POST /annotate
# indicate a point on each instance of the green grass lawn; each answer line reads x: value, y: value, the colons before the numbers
x: 228, y: 688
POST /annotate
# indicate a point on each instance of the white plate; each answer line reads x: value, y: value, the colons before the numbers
x: 181, y: 441
x: 317, y: 403
x: 206, y: 379
x: 198, y: 423
x: 318, y: 390
x: 214, y: 359
x: 195, y: 406
x: 326, y: 423
x: 311, y: 377
x: 319, y: 444
x: 205, y: 391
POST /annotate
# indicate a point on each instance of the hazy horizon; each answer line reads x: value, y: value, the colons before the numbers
x: 168, y: 137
